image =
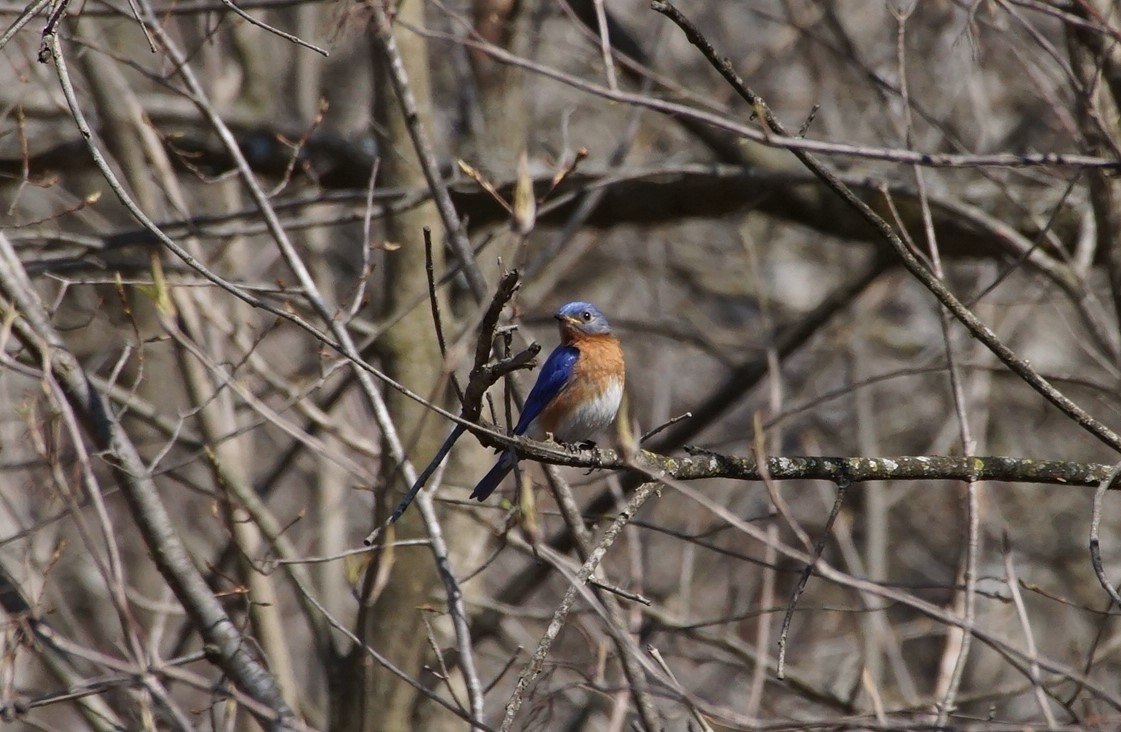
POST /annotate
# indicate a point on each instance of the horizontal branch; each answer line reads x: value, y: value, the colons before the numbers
x: 704, y: 464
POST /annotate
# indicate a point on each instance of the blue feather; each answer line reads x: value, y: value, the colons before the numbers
x: 424, y: 476
x: 491, y: 480
x: 553, y: 378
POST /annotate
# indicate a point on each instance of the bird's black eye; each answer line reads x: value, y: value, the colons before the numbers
x: 586, y: 315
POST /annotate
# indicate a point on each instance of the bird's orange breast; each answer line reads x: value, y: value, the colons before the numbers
x: 589, y: 401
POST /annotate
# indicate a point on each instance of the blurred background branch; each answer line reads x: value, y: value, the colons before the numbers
x: 192, y: 559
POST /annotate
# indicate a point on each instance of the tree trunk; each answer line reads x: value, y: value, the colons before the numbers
x: 404, y: 581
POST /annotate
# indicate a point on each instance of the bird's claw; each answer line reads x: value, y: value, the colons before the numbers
x: 571, y: 447
x: 597, y: 458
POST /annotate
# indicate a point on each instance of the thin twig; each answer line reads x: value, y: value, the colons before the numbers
x: 634, y: 597
x: 668, y: 423
x: 24, y: 18
x: 763, y: 624
x: 434, y: 304
x: 349, y: 552
x: 605, y: 46
x: 1029, y: 636
x: 274, y: 30
x: 697, y: 716
x: 358, y: 300
x: 819, y: 548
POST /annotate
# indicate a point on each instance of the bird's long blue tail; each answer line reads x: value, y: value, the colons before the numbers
x: 491, y: 480
x: 423, y: 477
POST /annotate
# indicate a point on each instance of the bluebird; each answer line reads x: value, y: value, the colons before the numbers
x: 577, y: 394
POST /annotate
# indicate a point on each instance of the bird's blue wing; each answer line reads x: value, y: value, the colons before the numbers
x: 553, y: 377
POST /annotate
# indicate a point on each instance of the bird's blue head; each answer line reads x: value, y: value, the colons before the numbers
x: 582, y: 317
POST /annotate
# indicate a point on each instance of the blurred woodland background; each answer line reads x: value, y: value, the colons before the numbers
x: 215, y: 293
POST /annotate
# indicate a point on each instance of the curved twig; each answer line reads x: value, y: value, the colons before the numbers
x: 1095, y: 522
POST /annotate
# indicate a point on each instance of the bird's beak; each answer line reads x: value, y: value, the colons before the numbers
x: 566, y: 319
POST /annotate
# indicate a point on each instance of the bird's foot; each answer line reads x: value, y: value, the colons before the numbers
x: 572, y: 447
x: 597, y: 456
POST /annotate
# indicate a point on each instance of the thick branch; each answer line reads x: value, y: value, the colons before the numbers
x: 703, y: 464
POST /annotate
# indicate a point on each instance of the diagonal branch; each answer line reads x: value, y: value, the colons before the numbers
x: 976, y: 327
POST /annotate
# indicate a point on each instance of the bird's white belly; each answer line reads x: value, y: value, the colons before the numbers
x: 592, y: 416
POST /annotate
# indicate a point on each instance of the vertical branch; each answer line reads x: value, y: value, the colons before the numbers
x: 605, y: 46
x: 763, y: 628
x: 1029, y: 635
x: 875, y: 516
